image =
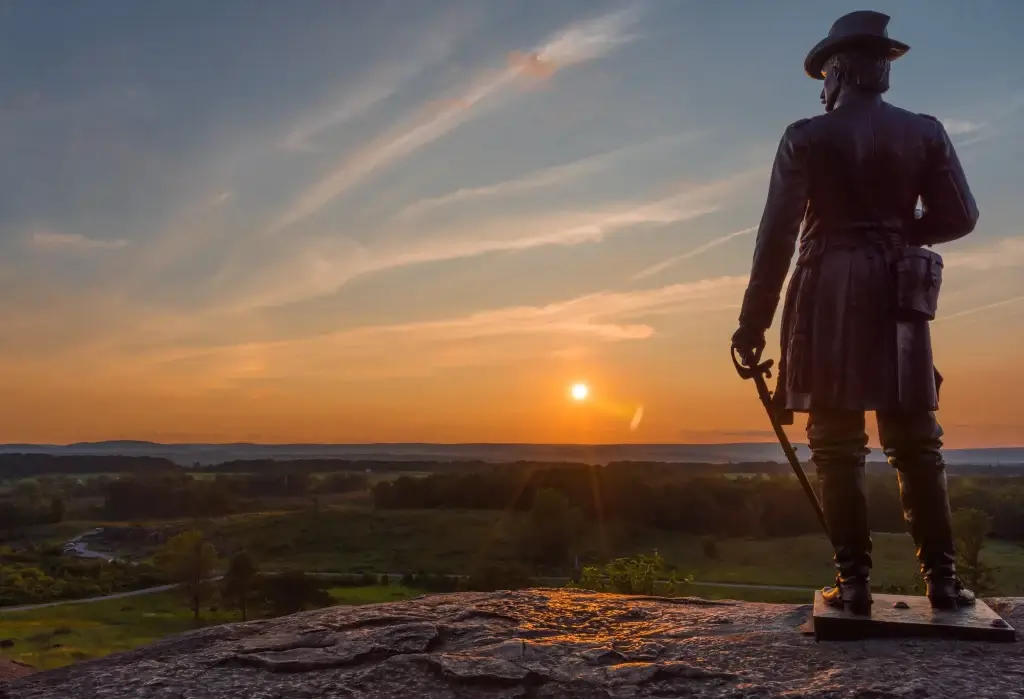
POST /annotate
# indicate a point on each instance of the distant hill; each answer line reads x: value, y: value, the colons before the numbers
x: 745, y: 452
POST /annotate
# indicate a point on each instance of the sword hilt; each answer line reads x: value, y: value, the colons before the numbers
x: 759, y: 368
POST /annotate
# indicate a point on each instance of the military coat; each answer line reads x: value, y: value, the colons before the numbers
x: 845, y: 186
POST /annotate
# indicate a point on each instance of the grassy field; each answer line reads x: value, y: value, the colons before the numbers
x: 455, y: 541
x: 361, y: 539
x: 66, y: 634
x: 373, y: 594
x: 358, y: 539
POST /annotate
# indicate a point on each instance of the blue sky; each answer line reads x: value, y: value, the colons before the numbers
x: 310, y: 220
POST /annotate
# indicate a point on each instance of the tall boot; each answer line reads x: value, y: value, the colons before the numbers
x: 844, y: 500
x: 925, y: 500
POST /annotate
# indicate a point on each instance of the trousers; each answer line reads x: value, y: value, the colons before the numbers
x: 912, y: 443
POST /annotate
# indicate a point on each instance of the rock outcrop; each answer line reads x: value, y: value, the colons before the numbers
x: 539, y: 643
x: 12, y: 670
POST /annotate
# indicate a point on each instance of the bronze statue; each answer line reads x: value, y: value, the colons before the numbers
x: 855, y: 324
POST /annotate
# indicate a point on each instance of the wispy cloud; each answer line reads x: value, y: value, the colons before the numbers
x: 699, y: 250
x: 546, y: 177
x: 979, y: 309
x: 961, y: 127
x: 323, y: 265
x: 72, y: 242
x: 1003, y: 253
x: 579, y: 43
x: 377, y: 87
x: 589, y: 40
x: 487, y: 337
x: 969, y: 131
x: 218, y: 198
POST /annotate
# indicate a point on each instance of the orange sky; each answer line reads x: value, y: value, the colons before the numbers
x: 686, y: 387
x: 362, y: 225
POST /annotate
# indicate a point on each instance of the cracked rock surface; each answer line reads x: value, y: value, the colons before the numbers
x: 538, y: 644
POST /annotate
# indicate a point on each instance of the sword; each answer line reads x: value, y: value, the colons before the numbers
x: 759, y: 372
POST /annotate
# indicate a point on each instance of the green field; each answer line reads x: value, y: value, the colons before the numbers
x: 65, y: 634
x: 69, y: 633
x: 360, y: 539
x: 353, y: 539
x: 357, y: 540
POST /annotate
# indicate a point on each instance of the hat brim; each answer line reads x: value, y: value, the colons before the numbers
x: 826, y: 48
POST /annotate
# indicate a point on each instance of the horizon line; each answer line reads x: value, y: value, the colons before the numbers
x: 572, y: 445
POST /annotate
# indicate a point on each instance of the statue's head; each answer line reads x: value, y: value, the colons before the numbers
x: 855, y: 55
x: 863, y: 70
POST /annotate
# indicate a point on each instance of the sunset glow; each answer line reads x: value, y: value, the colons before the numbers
x: 456, y: 222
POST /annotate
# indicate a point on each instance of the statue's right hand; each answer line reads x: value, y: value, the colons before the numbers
x: 748, y: 343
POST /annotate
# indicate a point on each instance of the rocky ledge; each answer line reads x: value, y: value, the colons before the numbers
x: 540, y: 643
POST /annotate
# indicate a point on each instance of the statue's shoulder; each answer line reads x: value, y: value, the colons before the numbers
x: 932, y: 124
x: 800, y: 134
x: 800, y: 124
x: 797, y: 131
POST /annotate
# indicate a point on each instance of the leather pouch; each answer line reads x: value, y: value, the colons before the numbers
x: 918, y: 280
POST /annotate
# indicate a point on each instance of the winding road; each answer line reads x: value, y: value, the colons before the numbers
x: 78, y: 548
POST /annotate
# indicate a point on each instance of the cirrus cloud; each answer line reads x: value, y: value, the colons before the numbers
x: 71, y: 242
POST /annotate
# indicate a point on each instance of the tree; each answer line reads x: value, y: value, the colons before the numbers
x: 495, y: 575
x: 57, y: 509
x: 27, y: 493
x: 551, y: 528
x: 189, y: 559
x: 292, y: 592
x: 240, y: 583
x: 971, y: 527
x: 314, y: 497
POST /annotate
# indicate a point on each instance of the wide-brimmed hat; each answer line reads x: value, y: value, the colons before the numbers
x: 863, y: 28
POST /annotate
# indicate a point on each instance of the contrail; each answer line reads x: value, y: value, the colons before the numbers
x: 661, y: 266
x: 978, y: 309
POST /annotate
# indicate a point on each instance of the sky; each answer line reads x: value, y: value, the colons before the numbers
x: 345, y: 221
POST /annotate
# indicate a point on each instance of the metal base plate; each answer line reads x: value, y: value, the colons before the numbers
x: 904, y: 616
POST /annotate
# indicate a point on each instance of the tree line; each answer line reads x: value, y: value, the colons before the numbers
x: 759, y: 505
x: 14, y: 466
x: 183, y: 495
x: 159, y: 494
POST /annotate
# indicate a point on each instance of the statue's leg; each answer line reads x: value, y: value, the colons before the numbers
x: 838, y: 445
x: 912, y: 442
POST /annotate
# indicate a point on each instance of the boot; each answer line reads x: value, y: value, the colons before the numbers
x: 925, y: 500
x: 844, y: 500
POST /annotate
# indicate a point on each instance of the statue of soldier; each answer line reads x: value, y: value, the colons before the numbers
x: 855, y: 323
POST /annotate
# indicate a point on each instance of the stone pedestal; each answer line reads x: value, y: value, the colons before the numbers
x: 905, y: 616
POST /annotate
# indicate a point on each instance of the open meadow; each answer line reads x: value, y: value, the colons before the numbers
x: 69, y: 633
x: 447, y: 541
x: 364, y: 540
x: 745, y: 535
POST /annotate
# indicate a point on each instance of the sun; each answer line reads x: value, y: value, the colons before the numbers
x: 580, y: 391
